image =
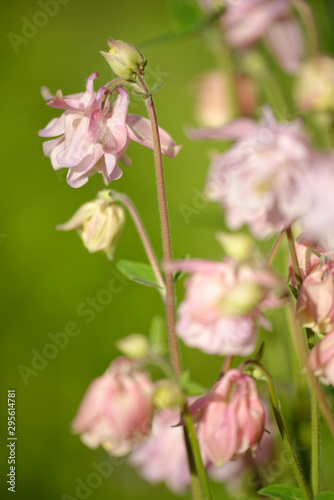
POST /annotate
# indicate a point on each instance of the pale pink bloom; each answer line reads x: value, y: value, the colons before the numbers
x: 308, y: 252
x: 99, y: 224
x: 223, y: 302
x: 321, y: 359
x: 163, y: 456
x: 92, y: 138
x: 315, y: 304
x: 117, y: 409
x: 262, y: 180
x: 247, y: 21
x: 231, y: 418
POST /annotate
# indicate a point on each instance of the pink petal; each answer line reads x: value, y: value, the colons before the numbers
x: 139, y: 130
x: 236, y: 129
x: 54, y: 127
x: 76, y: 102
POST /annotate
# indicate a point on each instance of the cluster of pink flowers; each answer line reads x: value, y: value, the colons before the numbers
x: 117, y: 412
x: 92, y: 137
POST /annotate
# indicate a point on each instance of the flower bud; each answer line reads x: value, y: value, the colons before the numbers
x: 99, y: 224
x: 134, y: 346
x: 315, y: 86
x: 124, y: 59
x: 236, y: 245
x: 168, y: 395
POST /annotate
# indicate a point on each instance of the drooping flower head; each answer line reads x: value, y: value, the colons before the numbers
x: 99, y: 224
x: 92, y: 136
x: 223, y: 301
x: 261, y: 180
x: 231, y: 418
x: 117, y: 409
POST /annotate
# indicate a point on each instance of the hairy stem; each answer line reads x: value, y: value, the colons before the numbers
x: 170, y: 299
x: 166, y: 239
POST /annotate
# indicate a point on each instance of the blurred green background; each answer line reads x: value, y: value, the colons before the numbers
x: 47, y: 275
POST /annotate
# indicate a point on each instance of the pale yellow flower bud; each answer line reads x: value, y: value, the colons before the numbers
x: 134, y: 346
x: 124, y: 59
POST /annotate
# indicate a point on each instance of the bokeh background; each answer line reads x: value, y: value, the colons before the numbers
x: 47, y: 275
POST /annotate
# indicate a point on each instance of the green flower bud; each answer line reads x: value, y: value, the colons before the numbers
x: 124, y: 59
x: 134, y: 346
x: 168, y: 394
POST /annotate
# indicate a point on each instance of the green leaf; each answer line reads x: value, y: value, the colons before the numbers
x: 158, y: 84
x: 294, y: 291
x: 282, y: 492
x: 325, y: 495
x: 138, y: 271
x: 158, y: 335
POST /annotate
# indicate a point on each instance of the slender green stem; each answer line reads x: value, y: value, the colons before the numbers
x: 283, y: 430
x: 194, y: 479
x: 166, y: 239
x: 315, y: 428
x: 197, y: 455
x: 143, y: 235
x: 275, y: 249
x: 294, y: 258
x: 313, y: 382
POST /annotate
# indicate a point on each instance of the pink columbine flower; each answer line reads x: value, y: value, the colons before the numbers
x: 222, y: 303
x: 315, y: 304
x: 321, y: 359
x: 309, y: 255
x: 92, y: 137
x: 117, y: 409
x: 262, y: 180
x: 231, y: 418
